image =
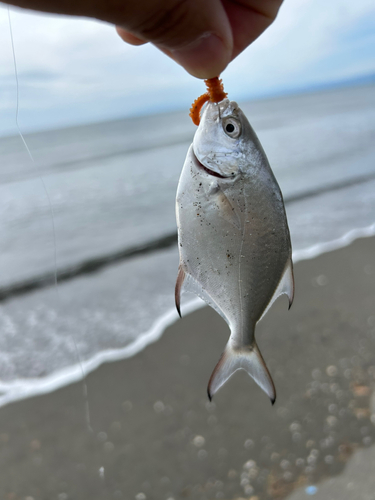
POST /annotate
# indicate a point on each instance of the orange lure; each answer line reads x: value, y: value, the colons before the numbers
x: 215, y: 93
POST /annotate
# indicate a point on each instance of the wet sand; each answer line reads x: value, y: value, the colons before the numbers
x: 156, y: 436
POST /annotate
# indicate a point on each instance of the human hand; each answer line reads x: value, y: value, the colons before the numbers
x: 203, y: 36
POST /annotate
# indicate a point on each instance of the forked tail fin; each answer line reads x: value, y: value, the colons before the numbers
x: 247, y: 358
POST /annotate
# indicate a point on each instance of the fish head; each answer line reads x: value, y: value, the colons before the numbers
x: 224, y: 143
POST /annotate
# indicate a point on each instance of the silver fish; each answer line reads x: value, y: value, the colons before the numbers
x: 234, y: 242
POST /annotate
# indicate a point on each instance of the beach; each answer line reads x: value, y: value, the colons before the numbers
x: 153, y: 434
x: 103, y: 388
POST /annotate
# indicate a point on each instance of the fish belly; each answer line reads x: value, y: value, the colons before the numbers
x: 237, y: 260
x: 234, y: 245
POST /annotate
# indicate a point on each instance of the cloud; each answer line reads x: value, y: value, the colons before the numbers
x: 73, y: 70
x: 311, y: 42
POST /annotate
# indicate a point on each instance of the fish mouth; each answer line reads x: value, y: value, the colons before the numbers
x: 207, y: 170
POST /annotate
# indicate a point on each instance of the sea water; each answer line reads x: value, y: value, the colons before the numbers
x: 112, y: 187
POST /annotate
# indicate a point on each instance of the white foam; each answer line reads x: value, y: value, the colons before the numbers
x: 329, y: 246
x: 25, y: 388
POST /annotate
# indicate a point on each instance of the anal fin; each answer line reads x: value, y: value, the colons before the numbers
x: 191, y: 285
x: 178, y: 287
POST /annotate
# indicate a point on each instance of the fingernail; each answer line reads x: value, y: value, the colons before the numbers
x: 205, y: 58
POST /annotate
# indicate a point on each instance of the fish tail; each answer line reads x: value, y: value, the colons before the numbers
x: 246, y: 358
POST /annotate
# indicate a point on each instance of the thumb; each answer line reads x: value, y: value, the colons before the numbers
x: 194, y: 33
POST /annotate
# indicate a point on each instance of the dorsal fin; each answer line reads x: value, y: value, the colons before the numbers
x: 286, y: 285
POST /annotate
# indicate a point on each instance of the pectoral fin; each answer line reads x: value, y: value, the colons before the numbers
x: 226, y: 210
x: 247, y: 358
x: 218, y: 200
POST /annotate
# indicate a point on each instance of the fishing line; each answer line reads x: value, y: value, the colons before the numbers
x: 17, y: 87
x: 85, y: 390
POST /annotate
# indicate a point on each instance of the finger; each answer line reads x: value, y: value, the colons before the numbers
x: 204, y: 58
x: 195, y: 33
x: 129, y: 37
x: 249, y: 19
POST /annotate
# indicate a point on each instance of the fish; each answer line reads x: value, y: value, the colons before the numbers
x: 233, y: 236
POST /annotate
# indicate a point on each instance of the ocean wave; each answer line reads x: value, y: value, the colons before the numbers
x: 25, y: 388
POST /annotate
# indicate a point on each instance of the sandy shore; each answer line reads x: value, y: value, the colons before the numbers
x: 156, y: 436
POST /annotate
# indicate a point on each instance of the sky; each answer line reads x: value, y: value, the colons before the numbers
x: 73, y: 70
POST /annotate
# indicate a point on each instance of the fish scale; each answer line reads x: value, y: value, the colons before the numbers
x: 234, y: 241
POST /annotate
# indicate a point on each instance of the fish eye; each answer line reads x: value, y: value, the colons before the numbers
x: 232, y: 128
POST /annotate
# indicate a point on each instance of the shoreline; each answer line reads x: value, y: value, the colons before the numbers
x: 156, y: 436
x: 27, y: 388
